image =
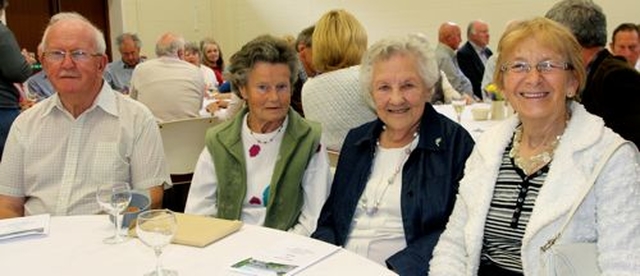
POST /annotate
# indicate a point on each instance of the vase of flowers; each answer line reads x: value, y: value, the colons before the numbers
x: 497, y: 102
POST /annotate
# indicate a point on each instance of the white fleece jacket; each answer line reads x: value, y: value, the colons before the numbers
x: 610, y: 214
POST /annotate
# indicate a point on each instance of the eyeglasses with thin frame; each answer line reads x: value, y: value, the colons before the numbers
x: 546, y: 66
x: 76, y: 55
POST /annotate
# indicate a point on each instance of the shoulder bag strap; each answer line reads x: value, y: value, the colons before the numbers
x: 592, y: 180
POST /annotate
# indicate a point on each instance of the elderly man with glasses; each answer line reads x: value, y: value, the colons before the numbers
x: 85, y: 135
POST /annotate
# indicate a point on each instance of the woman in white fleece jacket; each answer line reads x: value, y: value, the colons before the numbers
x: 525, y: 174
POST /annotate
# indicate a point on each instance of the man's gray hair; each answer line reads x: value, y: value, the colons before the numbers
x: 584, y: 18
x: 101, y: 44
x: 304, y: 37
x: 121, y: 38
x: 169, y: 45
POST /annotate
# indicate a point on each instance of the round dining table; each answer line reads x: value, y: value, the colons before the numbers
x: 74, y: 246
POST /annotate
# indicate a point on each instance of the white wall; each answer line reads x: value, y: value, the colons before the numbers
x: 234, y: 22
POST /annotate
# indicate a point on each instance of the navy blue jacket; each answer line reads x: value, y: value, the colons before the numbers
x: 429, y: 185
x: 471, y: 66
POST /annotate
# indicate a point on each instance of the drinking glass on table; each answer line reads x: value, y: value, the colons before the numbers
x: 156, y: 228
x: 458, y: 104
x: 114, y: 199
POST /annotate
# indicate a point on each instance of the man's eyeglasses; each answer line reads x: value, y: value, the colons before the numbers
x: 546, y: 66
x: 76, y: 55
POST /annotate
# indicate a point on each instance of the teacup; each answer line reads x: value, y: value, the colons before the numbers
x: 480, y: 113
x: 139, y: 203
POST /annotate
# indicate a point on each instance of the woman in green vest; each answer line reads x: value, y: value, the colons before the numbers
x: 266, y: 165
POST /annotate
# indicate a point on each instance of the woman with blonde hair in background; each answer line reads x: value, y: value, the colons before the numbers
x: 333, y: 97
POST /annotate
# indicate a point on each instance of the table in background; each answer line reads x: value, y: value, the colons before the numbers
x: 475, y: 128
x: 74, y: 247
x: 220, y: 113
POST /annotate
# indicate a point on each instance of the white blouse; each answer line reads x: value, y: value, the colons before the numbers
x: 377, y: 231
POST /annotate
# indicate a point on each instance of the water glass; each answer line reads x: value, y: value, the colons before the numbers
x: 156, y: 228
x: 114, y: 199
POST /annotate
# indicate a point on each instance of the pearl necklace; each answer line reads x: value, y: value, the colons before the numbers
x: 535, y: 162
x: 372, y: 209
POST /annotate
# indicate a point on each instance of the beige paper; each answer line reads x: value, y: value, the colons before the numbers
x: 200, y: 231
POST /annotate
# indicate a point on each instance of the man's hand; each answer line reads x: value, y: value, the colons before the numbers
x: 11, y: 207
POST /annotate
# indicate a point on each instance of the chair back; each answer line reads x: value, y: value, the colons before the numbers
x: 183, y: 140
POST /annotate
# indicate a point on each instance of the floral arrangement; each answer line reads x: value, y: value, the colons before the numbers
x: 494, y: 93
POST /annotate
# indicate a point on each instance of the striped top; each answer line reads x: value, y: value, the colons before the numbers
x: 511, y: 206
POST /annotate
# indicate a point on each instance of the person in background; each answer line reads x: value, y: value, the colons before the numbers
x: 612, y: 86
x: 14, y: 68
x: 266, y: 165
x: 525, y: 174
x: 397, y: 176
x: 170, y: 87
x: 118, y: 73
x: 84, y: 135
x: 625, y: 42
x: 305, y: 69
x: 473, y: 55
x: 192, y: 55
x: 304, y: 48
x: 449, y: 40
x: 212, y: 57
x: 490, y: 68
x: 216, y: 101
x: 38, y: 87
x: 333, y: 96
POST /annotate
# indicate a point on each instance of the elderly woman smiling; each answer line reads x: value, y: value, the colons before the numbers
x: 397, y: 176
x: 526, y: 173
x: 265, y: 166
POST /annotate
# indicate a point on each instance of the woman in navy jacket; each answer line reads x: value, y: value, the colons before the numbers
x: 397, y: 176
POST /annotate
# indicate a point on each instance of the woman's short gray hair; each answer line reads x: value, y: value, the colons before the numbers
x: 265, y: 48
x: 416, y: 45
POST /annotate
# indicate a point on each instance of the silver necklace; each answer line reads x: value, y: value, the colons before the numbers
x: 264, y: 142
x: 371, y: 208
x: 255, y: 149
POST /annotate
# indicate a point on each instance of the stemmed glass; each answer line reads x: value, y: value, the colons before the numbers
x: 114, y: 198
x: 458, y: 105
x: 156, y: 229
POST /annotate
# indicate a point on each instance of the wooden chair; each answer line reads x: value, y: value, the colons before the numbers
x: 183, y: 140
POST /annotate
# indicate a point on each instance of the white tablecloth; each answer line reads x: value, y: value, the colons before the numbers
x: 74, y: 247
x: 475, y: 128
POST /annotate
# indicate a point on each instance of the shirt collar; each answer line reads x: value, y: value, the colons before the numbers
x: 106, y: 100
x: 477, y: 48
x: 127, y: 66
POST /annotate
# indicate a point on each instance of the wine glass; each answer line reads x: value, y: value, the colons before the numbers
x: 114, y: 198
x: 458, y: 104
x: 156, y: 229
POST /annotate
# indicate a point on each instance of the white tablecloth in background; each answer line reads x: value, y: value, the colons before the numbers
x: 74, y: 247
x: 475, y: 128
